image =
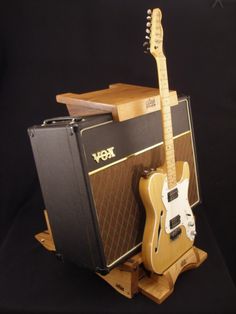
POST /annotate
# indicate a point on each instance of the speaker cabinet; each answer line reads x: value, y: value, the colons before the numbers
x: 89, y: 170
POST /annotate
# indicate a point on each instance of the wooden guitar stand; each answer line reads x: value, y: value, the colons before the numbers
x: 131, y: 277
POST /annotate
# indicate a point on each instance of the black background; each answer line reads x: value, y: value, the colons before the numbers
x: 51, y: 47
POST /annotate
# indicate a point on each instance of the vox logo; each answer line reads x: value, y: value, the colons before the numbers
x: 104, y: 154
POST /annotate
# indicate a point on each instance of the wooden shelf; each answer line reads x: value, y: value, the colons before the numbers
x: 124, y: 101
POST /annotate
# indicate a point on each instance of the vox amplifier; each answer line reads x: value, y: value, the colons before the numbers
x: 89, y: 170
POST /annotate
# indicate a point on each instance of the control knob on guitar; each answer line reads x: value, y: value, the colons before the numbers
x: 170, y: 227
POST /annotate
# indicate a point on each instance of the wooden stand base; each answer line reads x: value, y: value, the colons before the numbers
x: 159, y: 287
x: 45, y: 237
x: 131, y: 277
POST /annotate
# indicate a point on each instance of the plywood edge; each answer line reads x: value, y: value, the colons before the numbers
x: 118, y: 85
x: 46, y: 240
x: 74, y: 100
x: 130, y: 86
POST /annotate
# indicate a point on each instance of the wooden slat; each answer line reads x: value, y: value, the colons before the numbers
x: 124, y: 101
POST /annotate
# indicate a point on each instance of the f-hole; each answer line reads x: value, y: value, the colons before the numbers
x: 158, y: 232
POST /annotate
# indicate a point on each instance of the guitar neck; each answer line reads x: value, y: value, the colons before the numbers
x: 166, y: 122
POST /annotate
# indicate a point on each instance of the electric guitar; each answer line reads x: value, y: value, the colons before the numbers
x: 170, y: 227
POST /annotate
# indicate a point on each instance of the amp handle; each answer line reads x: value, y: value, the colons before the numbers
x: 62, y: 119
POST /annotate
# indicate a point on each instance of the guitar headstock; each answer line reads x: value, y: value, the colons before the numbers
x: 154, y: 33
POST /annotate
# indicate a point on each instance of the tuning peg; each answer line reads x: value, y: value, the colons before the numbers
x: 146, y: 51
x: 148, y: 31
x: 147, y: 37
x: 146, y: 46
x: 149, y: 11
x: 148, y: 24
x: 149, y: 17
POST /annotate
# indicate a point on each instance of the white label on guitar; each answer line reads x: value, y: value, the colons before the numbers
x: 179, y: 206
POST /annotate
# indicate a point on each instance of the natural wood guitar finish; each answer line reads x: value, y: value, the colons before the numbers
x: 124, y: 101
x: 168, y: 250
x: 170, y: 227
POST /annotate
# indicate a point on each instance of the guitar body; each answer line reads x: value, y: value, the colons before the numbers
x: 170, y: 227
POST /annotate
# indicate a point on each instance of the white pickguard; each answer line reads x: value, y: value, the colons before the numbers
x: 179, y: 206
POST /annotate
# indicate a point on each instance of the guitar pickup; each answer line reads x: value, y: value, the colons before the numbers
x: 175, y: 233
x: 173, y: 194
x: 174, y: 222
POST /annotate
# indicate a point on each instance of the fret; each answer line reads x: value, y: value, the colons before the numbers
x: 169, y: 145
x: 168, y: 130
x: 168, y: 137
x: 170, y: 166
x: 171, y: 169
x: 165, y: 119
x: 166, y: 113
x: 166, y: 110
x: 164, y: 84
x: 171, y: 177
x: 170, y: 148
x: 166, y: 116
x: 170, y: 156
x: 170, y: 159
x: 171, y: 174
x: 165, y: 107
x: 163, y: 76
x: 170, y: 151
x: 165, y: 101
x: 166, y: 122
x: 161, y: 62
x: 164, y: 93
x: 164, y: 90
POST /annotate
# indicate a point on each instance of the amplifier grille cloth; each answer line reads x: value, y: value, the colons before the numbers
x: 121, y: 215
